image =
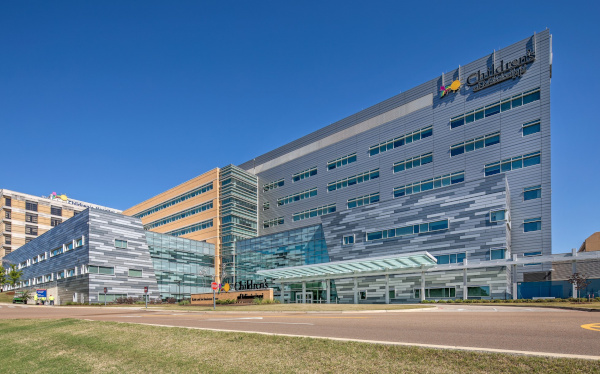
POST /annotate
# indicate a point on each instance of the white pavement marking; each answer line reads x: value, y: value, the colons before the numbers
x: 434, y: 346
x: 232, y: 319
x: 277, y: 323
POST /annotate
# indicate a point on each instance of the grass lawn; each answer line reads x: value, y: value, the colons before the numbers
x: 6, y: 297
x: 75, y: 346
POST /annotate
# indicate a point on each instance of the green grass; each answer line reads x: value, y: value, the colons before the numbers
x: 6, y: 297
x: 75, y: 346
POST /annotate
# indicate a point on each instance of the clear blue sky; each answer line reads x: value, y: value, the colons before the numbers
x: 114, y: 102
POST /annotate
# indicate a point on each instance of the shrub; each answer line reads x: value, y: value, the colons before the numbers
x: 260, y: 301
x: 170, y: 300
x: 184, y: 302
x: 225, y: 301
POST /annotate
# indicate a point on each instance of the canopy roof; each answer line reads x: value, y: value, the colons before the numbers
x: 350, y: 267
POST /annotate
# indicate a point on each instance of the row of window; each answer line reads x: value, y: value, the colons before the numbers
x: 314, y: 212
x: 476, y: 143
x: 304, y: 174
x: 175, y: 217
x: 274, y: 185
x: 401, y: 140
x: 297, y: 196
x: 355, y: 179
x: 430, y: 184
x: 273, y: 222
x: 91, y: 269
x: 495, y: 108
x: 413, y: 162
x: 363, y: 200
x: 57, y: 251
x: 176, y: 200
x: 450, y: 292
x: 339, y: 162
x: 514, y: 163
x: 408, y: 230
x: 193, y: 228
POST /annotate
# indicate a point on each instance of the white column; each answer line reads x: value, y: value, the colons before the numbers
x: 281, y: 297
x: 387, y: 288
x: 465, y: 288
x: 422, y: 293
x: 303, y: 292
x: 573, y: 271
x: 328, y: 288
x: 355, y: 290
x: 514, y: 279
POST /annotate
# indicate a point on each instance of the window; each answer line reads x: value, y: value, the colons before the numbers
x: 498, y: 254
x: 56, y: 251
x: 55, y: 221
x: 7, y: 239
x: 7, y: 201
x: 176, y: 200
x: 401, y: 140
x: 326, y: 209
x: 362, y: 295
x: 92, y: 269
x: 532, y: 254
x: 531, y: 127
x: 533, y: 192
x: 266, y: 205
x: 31, y: 230
x: 413, y: 162
x: 7, y: 214
x: 495, y: 108
x: 347, y: 240
x: 30, y: 205
x: 34, y: 260
x: 121, y: 243
x: 273, y: 185
x: 497, y: 215
x: 60, y: 274
x: 70, y: 273
x: 439, y: 293
x: 452, y: 258
x: 475, y: 143
x: 430, y: 184
x: 478, y: 291
x: 27, y: 240
x: 69, y: 246
x: 355, y: 179
x: 32, y: 218
x: 408, y: 230
x: 392, y: 293
x: 297, y: 196
x: 193, y: 228
x: 56, y: 211
x: 363, y: 200
x: 135, y: 273
x: 532, y: 224
x: 48, y: 278
x: 79, y: 242
x: 110, y: 298
x: 304, y: 174
x: 272, y: 222
x: 514, y: 163
x: 339, y: 162
x: 8, y: 227
x: 23, y: 265
x: 175, y: 217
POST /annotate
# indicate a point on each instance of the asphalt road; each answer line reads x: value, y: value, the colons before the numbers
x: 539, y: 330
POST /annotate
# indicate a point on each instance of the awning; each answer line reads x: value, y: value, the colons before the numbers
x: 357, y: 267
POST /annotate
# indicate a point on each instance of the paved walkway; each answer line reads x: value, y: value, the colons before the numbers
x: 539, y: 331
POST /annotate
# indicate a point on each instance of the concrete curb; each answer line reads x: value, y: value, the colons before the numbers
x: 527, y: 305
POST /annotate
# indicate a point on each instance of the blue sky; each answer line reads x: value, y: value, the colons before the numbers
x: 114, y: 102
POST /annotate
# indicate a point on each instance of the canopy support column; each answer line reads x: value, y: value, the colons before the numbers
x: 422, y: 293
x: 465, y: 289
x: 387, y: 288
x: 303, y: 292
x: 328, y: 288
x: 281, y: 297
x: 355, y: 290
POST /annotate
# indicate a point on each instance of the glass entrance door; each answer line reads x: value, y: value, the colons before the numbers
x: 308, y: 295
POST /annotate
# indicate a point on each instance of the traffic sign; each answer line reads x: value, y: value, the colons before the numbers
x: 146, y: 289
x: 214, y: 286
x: 105, y: 290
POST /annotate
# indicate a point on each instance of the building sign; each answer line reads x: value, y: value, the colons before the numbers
x: 240, y: 297
x: 64, y: 198
x: 41, y: 293
x: 499, y: 73
x: 451, y: 88
x: 250, y: 285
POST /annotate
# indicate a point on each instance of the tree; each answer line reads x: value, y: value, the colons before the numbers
x: 580, y: 281
x: 14, y: 275
x: 3, y: 279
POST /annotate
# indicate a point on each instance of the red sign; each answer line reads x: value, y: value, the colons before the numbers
x: 214, y: 286
x: 145, y: 289
x: 105, y: 290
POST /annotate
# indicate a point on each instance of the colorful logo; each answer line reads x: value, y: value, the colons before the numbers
x: 62, y: 197
x: 224, y: 287
x: 451, y: 88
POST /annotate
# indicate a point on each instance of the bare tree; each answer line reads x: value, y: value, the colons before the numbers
x: 580, y: 281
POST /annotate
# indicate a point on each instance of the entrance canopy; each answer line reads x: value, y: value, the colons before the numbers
x: 352, y: 267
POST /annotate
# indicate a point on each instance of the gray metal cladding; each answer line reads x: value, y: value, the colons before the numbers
x: 512, y: 143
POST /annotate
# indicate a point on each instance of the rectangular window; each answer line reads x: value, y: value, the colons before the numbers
x: 532, y: 254
x: 56, y: 251
x: 497, y: 254
x: 363, y: 200
x: 497, y: 215
x: 436, y: 293
x: 478, y: 291
x: 362, y: 295
x: 31, y: 218
x: 514, y: 163
x: 110, y: 298
x: 193, y: 228
x: 452, y: 258
x: 79, y: 242
x: 7, y: 239
x: 8, y: 227
x: 30, y: 205
x: 355, y: 179
x: 273, y: 222
x: 532, y: 224
x: 31, y: 230
x: 266, y: 205
x: 92, y: 269
x: 339, y: 162
x: 533, y: 192
x: 475, y: 143
x: 70, y: 273
x: 7, y: 214
x: 495, y: 108
x: 60, y: 274
x: 326, y: 209
x: 56, y: 211
x: 121, y: 243
x: 347, y: 240
x: 423, y: 133
x: 273, y: 185
x: 304, y: 174
x: 27, y: 240
x: 413, y: 162
x: 430, y: 184
x: 7, y: 201
x: 408, y: 230
x: 176, y: 200
x: 135, y: 273
x: 531, y: 127
x: 297, y: 196
x: 55, y: 221
x: 181, y: 215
